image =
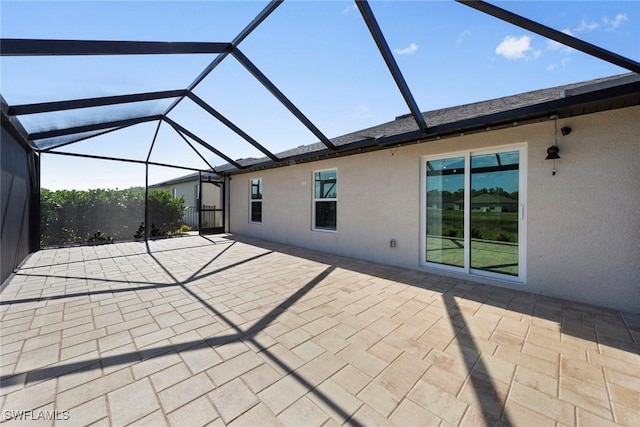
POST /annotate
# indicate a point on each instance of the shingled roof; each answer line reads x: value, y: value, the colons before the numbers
x: 564, y: 101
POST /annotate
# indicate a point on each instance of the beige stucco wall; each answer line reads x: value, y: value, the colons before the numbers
x: 583, y: 224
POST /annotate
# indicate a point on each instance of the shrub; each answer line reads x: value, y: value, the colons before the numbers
x: 502, y: 237
x: 476, y: 234
x: 184, y: 228
x: 450, y: 232
x: 72, y: 216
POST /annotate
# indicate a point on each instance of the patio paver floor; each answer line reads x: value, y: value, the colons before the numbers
x: 216, y: 331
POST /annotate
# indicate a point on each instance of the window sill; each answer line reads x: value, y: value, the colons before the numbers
x: 325, y: 230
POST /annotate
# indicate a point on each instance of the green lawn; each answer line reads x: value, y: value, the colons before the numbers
x: 487, y: 224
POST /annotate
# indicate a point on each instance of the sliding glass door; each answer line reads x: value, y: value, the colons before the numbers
x: 474, y: 212
x: 445, y: 211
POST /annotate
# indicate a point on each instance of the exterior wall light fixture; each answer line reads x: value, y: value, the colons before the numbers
x: 552, y: 153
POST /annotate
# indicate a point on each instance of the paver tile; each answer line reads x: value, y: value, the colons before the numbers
x: 369, y: 344
x: 38, y: 358
x: 366, y: 362
x: 626, y: 415
x: 293, y: 338
x: 154, y: 419
x: 200, y: 358
x: 199, y: 412
x: 38, y: 341
x: 379, y: 398
x: 308, y: 350
x: 283, y: 393
x: 80, y: 376
x: 235, y: 367
x: 89, y: 412
x: 320, y: 368
x: 140, y: 393
x: 281, y: 358
x: 335, y: 401
x: 233, y: 399
x: 542, y: 403
x: 440, y: 403
x: 183, y: 392
x: 586, y: 396
x: 92, y: 389
x: 351, y: 379
x: 32, y: 396
x: 166, y: 377
x: 368, y: 417
x: 259, y: 415
x: 409, y: 414
x: 261, y: 377
x: 303, y: 413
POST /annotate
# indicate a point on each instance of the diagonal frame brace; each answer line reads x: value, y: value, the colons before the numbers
x: 84, y: 138
x: 378, y: 37
x: 196, y: 151
x: 560, y: 37
x: 249, y: 66
x: 89, y: 128
x: 47, y: 107
x: 273, y: 4
x: 202, y: 142
x: 209, y: 109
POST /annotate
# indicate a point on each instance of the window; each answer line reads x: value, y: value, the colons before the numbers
x: 325, y: 199
x: 474, y: 212
x: 255, y: 200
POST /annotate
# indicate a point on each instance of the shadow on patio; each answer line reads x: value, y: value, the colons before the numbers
x: 267, y: 332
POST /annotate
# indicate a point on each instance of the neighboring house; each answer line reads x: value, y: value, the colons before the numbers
x: 188, y: 187
x: 490, y: 203
x: 574, y: 229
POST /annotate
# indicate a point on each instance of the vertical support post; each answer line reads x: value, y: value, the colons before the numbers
x: 225, y: 205
x: 34, y: 212
x: 227, y: 185
x: 146, y: 183
x: 146, y: 201
x: 199, y: 201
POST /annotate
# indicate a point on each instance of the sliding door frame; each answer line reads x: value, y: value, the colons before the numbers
x: 522, y: 213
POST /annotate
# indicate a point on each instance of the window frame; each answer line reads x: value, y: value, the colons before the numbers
x: 316, y: 200
x: 252, y: 201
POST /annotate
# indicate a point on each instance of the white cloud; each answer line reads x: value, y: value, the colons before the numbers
x: 551, y: 67
x: 514, y: 48
x: 586, y: 26
x: 409, y: 50
x: 349, y: 9
x: 616, y: 22
x: 361, y: 112
x: 565, y: 62
x: 463, y: 35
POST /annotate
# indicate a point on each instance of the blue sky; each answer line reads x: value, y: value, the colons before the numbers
x: 320, y: 55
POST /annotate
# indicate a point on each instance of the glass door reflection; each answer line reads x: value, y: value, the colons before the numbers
x: 494, y: 212
x: 445, y: 211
